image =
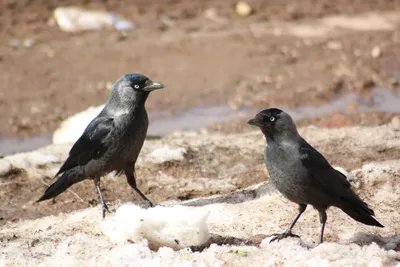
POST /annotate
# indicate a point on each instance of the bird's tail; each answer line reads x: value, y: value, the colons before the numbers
x: 358, y: 210
x: 68, y: 178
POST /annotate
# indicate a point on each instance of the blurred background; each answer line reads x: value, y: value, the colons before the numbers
x: 329, y: 63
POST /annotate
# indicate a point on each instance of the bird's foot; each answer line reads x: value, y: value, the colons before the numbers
x: 151, y: 205
x: 104, y: 208
x: 277, y: 237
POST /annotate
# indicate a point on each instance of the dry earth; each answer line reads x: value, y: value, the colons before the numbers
x: 189, y: 165
x: 183, y: 166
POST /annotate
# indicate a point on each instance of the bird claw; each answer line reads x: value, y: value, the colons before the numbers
x: 278, y: 237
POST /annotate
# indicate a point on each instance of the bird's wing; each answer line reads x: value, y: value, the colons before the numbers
x: 323, y: 175
x: 93, y: 143
x: 335, y: 184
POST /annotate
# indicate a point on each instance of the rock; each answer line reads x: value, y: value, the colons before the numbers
x: 5, y: 167
x: 76, y: 19
x: 32, y: 159
x: 395, y: 123
x: 376, y: 52
x: 243, y: 9
x: 166, y: 154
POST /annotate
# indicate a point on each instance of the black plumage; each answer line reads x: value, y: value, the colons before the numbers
x: 303, y: 175
x: 112, y: 141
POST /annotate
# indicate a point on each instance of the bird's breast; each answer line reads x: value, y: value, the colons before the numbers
x: 286, y: 173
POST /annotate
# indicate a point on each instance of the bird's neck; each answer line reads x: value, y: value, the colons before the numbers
x: 282, y: 139
x: 126, y: 100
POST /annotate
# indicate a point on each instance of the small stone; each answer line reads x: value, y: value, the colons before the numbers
x: 167, y: 20
x: 243, y: 9
x: 376, y: 52
x: 352, y: 107
x: 368, y: 84
x: 212, y: 14
x: 334, y: 45
x: 394, y: 83
x: 109, y: 85
x: 166, y: 154
x: 265, y: 170
x: 395, y: 123
x: 29, y: 43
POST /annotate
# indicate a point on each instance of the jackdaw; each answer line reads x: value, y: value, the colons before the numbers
x: 112, y: 141
x: 303, y: 175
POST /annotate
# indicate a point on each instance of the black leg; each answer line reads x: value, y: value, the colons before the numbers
x: 104, y: 206
x: 288, y: 232
x: 130, y: 177
x: 322, y: 219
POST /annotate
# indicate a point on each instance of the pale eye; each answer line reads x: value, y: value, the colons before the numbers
x: 136, y: 86
x: 272, y: 118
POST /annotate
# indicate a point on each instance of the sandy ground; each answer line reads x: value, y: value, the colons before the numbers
x: 185, y: 166
x: 202, y: 164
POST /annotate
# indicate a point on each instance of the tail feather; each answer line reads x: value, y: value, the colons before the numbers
x: 359, y: 211
x: 68, y: 178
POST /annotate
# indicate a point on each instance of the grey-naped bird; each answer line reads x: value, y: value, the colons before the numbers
x: 303, y: 175
x: 112, y: 141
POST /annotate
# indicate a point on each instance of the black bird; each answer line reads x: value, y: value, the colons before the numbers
x: 303, y: 175
x: 112, y: 141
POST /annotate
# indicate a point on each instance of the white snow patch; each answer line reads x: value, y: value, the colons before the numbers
x: 72, y: 128
x: 176, y: 227
x: 167, y: 153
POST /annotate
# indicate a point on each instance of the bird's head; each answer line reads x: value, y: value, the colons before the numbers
x: 132, y: 89
x: 139, y: 82
x: 274, y: 123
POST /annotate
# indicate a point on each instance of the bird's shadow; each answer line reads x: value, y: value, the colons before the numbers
x: 230, y: 241
x: 361, y: 239
x: 233, y: 198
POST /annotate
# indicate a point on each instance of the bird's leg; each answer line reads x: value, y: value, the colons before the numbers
x: 104, y: 206
x: 288, y: 232
x: 322, y: 219
x: 130, y: 177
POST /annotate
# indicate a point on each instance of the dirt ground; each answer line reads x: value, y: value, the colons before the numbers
x: 213, y: 163
x: 48, y: 75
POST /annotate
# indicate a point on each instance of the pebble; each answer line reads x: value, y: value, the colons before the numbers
x: 376, y: 52
x: 243, y: 9
x: 334, y: 45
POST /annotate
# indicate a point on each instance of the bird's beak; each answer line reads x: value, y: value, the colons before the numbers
x: 150, y: 86
x: 254, y: 121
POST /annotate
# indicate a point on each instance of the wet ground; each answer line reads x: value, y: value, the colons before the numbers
x: 381, y: 104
